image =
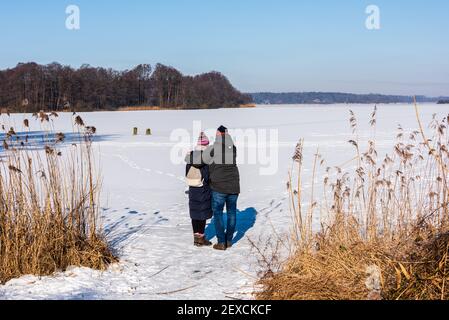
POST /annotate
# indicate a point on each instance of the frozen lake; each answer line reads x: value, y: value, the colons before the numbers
x: 145, y: 206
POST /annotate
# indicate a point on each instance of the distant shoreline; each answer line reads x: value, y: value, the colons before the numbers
x: 131, y: 109
x: 157, y: 108
x: 249, y: 106
x: 269, y: 98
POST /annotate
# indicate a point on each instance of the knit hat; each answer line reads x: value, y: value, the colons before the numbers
x: 203, y: 140
x: 222, y: 129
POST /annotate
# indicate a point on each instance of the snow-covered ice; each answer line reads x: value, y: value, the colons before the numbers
x: 144, y: 205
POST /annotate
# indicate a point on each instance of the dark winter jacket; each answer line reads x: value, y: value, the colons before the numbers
x: 199, y: 198
x: 222, y: 160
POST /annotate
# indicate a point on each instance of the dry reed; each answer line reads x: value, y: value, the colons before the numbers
x: 48, y: 202
x: 384, y: 230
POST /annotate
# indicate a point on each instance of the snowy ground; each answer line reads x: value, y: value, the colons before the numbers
x: 145, y: 206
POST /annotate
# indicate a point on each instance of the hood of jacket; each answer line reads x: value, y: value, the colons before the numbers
x: 225, y: 139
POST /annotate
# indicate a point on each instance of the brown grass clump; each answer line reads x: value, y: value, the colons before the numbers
x: 48, y: 203
x: 384, y: 230
x: 248, y: 105
x: 140, y: 108
x: 158, y: 108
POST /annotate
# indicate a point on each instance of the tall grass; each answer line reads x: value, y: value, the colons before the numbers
x: 48, y: 202
x: 384, y: 231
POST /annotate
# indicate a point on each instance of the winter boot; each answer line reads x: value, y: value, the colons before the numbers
x: 220, y: 246
x: 228, y: 244
x: 201, y: 241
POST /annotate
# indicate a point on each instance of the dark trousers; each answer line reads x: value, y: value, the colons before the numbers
x: 199, y: 226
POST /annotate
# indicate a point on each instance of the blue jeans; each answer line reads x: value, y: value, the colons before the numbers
x: 218, y: 202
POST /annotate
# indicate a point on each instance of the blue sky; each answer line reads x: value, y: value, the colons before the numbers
x: 282, y: 45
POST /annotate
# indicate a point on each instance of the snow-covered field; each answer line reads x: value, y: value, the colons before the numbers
x: 144, y: 205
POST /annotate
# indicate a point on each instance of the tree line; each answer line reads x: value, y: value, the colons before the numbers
x: 332, y: 97
x: 30, y: 87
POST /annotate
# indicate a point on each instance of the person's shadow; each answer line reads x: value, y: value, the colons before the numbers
x: 245, y: 221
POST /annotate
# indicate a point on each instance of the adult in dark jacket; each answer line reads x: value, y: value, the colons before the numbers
x: 200, y: 197
x: 225, y: 185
